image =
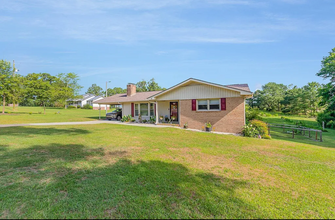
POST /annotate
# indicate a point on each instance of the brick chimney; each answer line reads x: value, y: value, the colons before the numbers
x: 131, y: 89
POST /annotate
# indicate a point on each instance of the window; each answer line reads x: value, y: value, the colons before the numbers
x: 136, y: 109
x: 202, y: 105
x: 144, y: 109
x: 152, y: 109
x: 214, y: 104
x: 209, y: 105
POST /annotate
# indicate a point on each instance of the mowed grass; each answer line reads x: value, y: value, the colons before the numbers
x: 117, y: 171
x: 23, y: 115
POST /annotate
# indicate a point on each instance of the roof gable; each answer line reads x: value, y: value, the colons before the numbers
x: 242, y: 89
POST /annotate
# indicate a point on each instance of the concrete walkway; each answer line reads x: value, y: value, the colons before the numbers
x: 103, y: 122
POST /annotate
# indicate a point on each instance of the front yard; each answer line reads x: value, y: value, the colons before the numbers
x: 23, y: 115
x: 116, y: 171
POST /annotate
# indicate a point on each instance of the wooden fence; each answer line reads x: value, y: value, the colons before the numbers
x: 295, y: 130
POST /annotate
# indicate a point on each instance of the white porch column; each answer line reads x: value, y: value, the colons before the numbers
x: 157, y: 113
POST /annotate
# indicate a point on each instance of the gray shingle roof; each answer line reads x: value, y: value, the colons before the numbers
x: 139, y: 96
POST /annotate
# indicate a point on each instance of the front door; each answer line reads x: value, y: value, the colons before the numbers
x: 174, y: 111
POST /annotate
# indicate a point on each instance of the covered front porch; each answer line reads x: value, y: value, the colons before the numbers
x: 167, y: 112
x: 157, y: 112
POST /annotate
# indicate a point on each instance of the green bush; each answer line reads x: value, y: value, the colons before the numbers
x: 87, y: 106
x: 249, y: 131
x: 256, y: 128
x: 71, y: 106
x: 251, y: 114
x: 145, y: 121
x: 260, y: 126
x: 327, y: 117
x: 152, y: 120
x: 126, y: 118
x: 331, y: 124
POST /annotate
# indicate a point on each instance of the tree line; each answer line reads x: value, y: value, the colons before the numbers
x: 141, y: 86
x: 313, y: 99
x: 288, y: 98
x: 36, y: 89
x: 43, y: 89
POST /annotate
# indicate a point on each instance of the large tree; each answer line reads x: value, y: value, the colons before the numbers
x: 115, y: 90
x: 328, y: 90
x: 67, y: 87
x: 42, y: 87
x: 6, y: 81
x: 17, y: 89
x: 95, y: 90
x: 270, y: 97
x: 328, y: 67
x: 144, y: 86
x: 328, y: 72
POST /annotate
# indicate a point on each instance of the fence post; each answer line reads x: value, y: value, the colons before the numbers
x: 309, y: 133
x: 316, y: 135
x: 293, y: 133
x: 321, y: 136
x: 269, y: 128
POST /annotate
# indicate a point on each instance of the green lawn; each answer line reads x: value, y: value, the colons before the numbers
x: 116, y: 171
x: 31, y: 115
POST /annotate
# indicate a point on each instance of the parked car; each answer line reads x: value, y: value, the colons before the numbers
x: 116, y: 114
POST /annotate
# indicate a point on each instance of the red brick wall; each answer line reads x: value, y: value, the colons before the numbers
x: 230, y: 120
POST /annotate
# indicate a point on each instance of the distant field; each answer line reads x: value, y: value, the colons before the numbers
x: 22, y: 115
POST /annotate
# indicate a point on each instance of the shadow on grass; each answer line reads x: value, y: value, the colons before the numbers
x: 74, y: 181
x: 29, y: 131
x: 3, y: 147
x: 97, y: 117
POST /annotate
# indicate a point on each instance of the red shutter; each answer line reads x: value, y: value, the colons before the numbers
x: 132, y: 110
x: 223, y: 104
x: 194, y: 104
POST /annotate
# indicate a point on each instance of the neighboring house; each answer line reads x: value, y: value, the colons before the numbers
x: 192, y: 101
x: 87, y: 99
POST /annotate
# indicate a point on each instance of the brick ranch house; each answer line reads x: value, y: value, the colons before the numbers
x: 192, y: 101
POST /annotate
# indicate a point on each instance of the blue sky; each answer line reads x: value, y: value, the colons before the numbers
x: 221, y: 41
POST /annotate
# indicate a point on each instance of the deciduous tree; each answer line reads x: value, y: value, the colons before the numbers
x: 41, y: 87
x: 95, y: 90
x: 6, y: 81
